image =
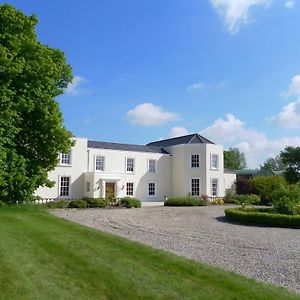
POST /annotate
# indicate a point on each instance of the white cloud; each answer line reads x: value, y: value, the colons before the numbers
x: 294, y: 88
x: 289, y: 4
x: 150, y: 114
x: 178, y: 131
x: 73, y: 88
x: 232, y: 132
x: 196, y: 86
x: 236, y: 12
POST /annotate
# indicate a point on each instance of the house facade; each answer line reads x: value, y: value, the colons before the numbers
x: 183, y: 166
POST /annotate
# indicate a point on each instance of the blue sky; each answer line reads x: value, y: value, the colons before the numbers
x: 151, y: 69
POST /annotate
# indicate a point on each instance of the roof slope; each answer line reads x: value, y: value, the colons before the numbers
x: 194, y: 138
x: 126, y: 147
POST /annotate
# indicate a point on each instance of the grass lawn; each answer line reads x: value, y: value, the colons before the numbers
x: 44, y: 257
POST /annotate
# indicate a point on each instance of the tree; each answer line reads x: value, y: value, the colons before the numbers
x: 234, y: 159
x: 31, y: 124
x: 273, y: 164
x: 291, y: 158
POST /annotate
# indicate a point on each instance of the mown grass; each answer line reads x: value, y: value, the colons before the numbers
x: 44, y: 257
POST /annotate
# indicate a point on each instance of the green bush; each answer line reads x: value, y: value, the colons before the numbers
x: 130, y: 202
x: 186, y: 202
x: 96, y: 202
x: 262, y: 216
x: 265, y: 186
x: 247, y: 199
x: 58, y: 204
x: 78, y: 204
x: 286, y: 199
x: 229, y: 196
x: 2, y: 204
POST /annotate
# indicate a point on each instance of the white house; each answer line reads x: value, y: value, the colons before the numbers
x: 189, y: 165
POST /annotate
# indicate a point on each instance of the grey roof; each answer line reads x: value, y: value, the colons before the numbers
x: 126, y: 147
x: 194, y: 138
x: 228, y: 171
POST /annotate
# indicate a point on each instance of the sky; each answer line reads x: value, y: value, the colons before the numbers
x: 152, y: 69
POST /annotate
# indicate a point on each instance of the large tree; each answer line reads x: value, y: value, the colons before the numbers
x: 273, y: 164
x: 291, y: 158
x: 32, y: 134
x: 234, y: 159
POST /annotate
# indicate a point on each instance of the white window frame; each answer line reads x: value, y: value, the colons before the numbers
x: 191, y: 188
x: 103, y: 163
x: 61, y: 157
x: 133, y: 165
x: 211, y: 187
x: 155, y: 188
x: 60, y: 186
x: 191, y: 160
x: 149, y: 170
x: 129, y: 194
x: 211, y: 161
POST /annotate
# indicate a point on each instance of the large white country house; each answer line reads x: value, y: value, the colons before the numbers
x: 189, y: 165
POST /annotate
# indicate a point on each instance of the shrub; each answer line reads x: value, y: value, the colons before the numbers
x: 217, y: 201
x: 96, y: 202
x: 244, y: 186
x: 130, y: 202
x: 204, y: 200
x: 78, y: 204
x: 264, y: 216
x: 58, y: 204
x: 229, y: 196
x: 186, y: 202
x: 265, y: 186
x: 247, y: 199
x: 286, y: 199
x: 2, y: 204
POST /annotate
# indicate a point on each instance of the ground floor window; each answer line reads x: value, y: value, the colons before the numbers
x: 214, y: 187
x: 195, y: 187
x: 64, y: 186
x: 151, y: 189
x: 88, y: 186
x: 129, y: 188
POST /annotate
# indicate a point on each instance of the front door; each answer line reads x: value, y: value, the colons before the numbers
x: 110, y: 190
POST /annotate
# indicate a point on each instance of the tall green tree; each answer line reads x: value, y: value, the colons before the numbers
x: 234, y: 159
x: 32, y: 134
x: 273, y: 164
x: 291, y: 158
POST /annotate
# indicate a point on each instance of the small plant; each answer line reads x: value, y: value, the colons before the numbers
x: 229, y: 196
x: 247, y: 199
x: 78, y: 204
x: 96, y: 202
x: 217, y: 201
x: 130, y: 202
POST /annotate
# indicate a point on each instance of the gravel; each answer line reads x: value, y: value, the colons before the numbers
x: 201, y: 233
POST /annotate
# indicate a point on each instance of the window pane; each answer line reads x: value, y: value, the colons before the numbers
x: 151, y: 189
x: 129, y: 188
x: 195, y: 161
x: 64, y: 186
x: 99, y: 164
x: 65, y: 158
x: 214, y: 187
x: 130, y: 165
x: 151, y: 165
x: 214, y: 161
x: 195, y: 187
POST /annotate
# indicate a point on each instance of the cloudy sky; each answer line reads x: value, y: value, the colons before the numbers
x: 151, y: 69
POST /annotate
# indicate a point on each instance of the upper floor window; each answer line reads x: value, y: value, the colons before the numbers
x: 214, y: 161
x: 99, y: 163
x: 214, y: 187
x: 129, y: 188
x: 64, y: 186
x: 129, y: 164
x: 151, y: 189
x: 65, y: 158
x: 151, y: 165
x: 195, y: 160
x: 195, y: 187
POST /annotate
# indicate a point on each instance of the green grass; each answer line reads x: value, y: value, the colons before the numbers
x: 44, y: 257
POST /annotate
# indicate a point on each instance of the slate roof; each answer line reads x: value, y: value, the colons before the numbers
x: 228, y: 171
x: 194, y: 138
x: 126, y: 147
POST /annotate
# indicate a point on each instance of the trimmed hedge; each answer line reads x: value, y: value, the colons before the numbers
x: 78, y: 204
x: 96, y: 202
x: 186, y: 202
x: 130, y: 202
x: 58, y: 204
x: 262, y: 216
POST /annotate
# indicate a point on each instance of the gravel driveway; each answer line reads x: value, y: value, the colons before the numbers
x: 201, y: 233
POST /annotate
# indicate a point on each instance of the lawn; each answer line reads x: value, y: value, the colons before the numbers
x: 44, y: 257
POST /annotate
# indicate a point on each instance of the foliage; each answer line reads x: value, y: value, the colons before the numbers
x: 234, y: 159
x: 262, y: 216
x: 58, y: 204
x: 244, y: 186
x: 31, y: 124
x: 217, y: 201
x: 286, y: 199
x: 78, y: 204
x: 229, y: 196
x: 2, y: 204
x: 250, y: 199
x: 130, y: 202
x: 273, y: 164
x: 96, y: 202
x: 291, y: 158
x: 265, y: 186
x: 71, y: 261
x: 189, y: 201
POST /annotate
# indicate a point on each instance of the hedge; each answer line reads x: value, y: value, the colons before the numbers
x: 130, y: 202
x: 262, y: 216
x: 185, y: 202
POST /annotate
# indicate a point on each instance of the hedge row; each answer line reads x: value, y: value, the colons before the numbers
x: 262, y: 216
x: 186, y: 202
